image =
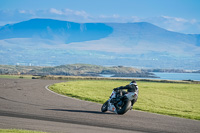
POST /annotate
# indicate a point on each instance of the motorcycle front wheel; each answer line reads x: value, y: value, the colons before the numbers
x: 104, y: 107
x: 125, y: 107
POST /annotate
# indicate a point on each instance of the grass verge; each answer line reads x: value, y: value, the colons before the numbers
x: 18, y: 76
x: 18, y: 131
x: 174, y: 99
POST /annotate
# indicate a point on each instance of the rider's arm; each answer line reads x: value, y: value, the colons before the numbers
x: 119, y: 88
x: 124, y: 87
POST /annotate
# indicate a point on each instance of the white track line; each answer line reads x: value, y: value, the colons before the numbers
x: 47, y: 88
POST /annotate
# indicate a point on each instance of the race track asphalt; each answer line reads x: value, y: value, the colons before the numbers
x: 26, y: 104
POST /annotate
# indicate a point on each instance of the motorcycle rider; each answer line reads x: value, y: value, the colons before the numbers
x: 131, y: 88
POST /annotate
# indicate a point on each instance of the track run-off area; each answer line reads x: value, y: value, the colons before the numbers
x: 28, y: 104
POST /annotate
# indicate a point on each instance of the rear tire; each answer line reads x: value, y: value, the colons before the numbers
x: 104, y: 107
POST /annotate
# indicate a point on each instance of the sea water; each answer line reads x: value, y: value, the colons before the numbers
x: 167, y: 76
x: 178, y: 76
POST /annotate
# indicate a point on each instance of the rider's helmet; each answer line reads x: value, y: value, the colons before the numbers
x: 133, y: 82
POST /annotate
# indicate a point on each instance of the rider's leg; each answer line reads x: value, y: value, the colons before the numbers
x: 133, y: 102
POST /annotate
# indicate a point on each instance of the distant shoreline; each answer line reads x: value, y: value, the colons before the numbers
x: 101, y: 71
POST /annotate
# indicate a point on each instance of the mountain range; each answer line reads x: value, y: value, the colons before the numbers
x: 48, y: 42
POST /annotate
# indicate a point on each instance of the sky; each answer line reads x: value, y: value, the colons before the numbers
x: 175, y: 15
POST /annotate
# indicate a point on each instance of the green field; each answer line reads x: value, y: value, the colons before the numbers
x: 18, y: 76
x: 18, y: 131
x: 175, y: 99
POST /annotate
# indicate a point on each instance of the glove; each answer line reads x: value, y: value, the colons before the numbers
x: 115, y: 89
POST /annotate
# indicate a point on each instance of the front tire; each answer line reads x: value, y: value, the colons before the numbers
x: 126, y: 106
x: 104, y: 107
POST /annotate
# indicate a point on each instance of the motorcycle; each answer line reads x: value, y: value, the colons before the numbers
x: 119, y: 102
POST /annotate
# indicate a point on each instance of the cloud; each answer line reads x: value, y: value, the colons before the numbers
x: 174, y: 19
x: 112, y: 16
x: 69, y: 12
x: 55, y: 11
x: 22, y: 11
x: 136, y: 19
x: 81, y: 13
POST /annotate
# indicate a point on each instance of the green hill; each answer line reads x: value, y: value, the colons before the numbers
x: 75, y: 70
